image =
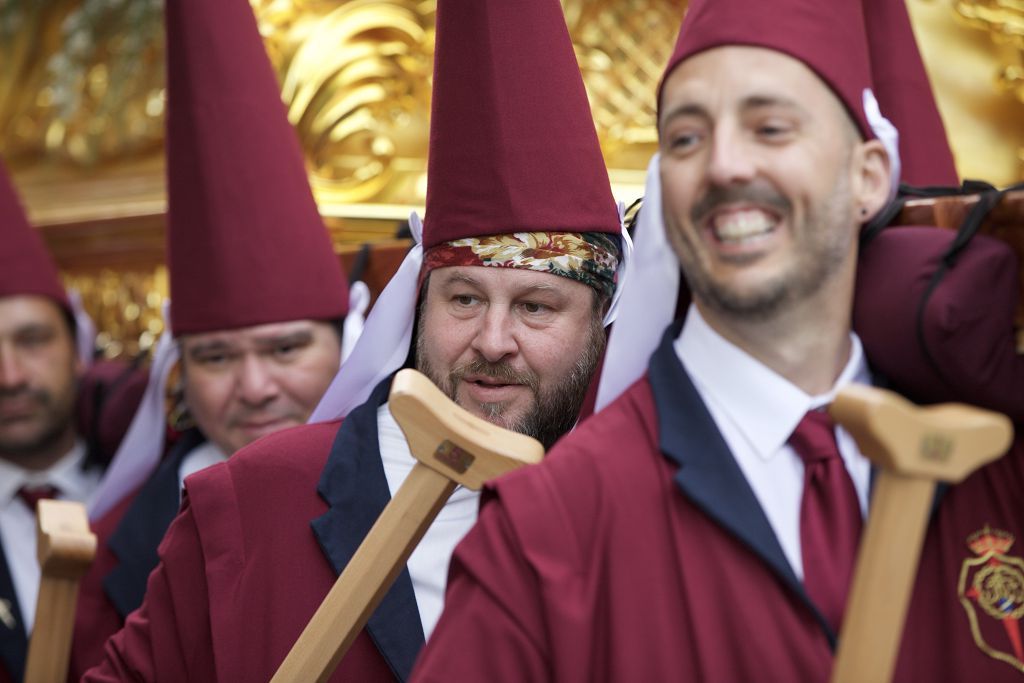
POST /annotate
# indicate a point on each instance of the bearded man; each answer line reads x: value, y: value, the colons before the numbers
x: 518, y: 267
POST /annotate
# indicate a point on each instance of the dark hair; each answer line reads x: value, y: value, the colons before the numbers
x: 338, y: 325
x: 69, y: 319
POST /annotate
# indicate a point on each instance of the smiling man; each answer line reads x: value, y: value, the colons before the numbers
x: 703, y: 526
x: 258, y: 298
x: 507, y: 298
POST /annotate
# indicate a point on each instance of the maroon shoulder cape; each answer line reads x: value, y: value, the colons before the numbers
x: 240, y: 575
x: 637, y: 552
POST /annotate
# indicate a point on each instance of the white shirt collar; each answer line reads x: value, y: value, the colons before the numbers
x: 66, y: 475
x: 764, y: 406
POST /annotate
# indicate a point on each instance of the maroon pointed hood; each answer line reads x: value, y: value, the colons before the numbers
x: 246, y: 244
x: 905, y: 95
x: 512, y: 141
x: 25, y: 264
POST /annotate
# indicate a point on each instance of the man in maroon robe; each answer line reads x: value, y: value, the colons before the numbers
x: 258, y: 300
x: 62, y: 414
x: 508, y: 292
x: 666, y: 538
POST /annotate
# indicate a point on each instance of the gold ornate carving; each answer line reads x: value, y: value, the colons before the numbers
x: 1003, y: 20
x: 622, y: 48
x: 87, y: 78
x: 356, y: 79
x: 126, y: 307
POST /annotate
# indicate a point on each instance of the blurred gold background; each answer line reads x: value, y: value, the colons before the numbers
x: 82, y: 105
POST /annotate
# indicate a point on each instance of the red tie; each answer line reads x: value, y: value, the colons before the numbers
x: 33, y: 494
x: 830, y: 520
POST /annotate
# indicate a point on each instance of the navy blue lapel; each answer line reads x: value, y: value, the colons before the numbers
x: 143, y: 526
x: 354, y: 485
x: 13, y: 641
x: 708, y: 474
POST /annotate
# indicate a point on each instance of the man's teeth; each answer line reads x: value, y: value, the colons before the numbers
x: 740, y: 225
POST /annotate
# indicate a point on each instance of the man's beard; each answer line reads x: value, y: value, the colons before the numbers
x: 822, y: 250
x: 555, y: 407
x: 57, y: 417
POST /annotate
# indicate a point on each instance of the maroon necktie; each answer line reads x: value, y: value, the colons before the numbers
x: 33, y: 494
x: 830, y: 520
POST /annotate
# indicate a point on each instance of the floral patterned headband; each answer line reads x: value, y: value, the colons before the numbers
x: 588, y: 257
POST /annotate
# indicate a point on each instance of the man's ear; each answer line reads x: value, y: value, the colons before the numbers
x: 872, y: 173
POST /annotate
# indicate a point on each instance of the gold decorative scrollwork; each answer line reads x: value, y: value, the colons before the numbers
x: 126, y: 307
x: 356, y: 80
x: 84, y: 80
x: 1004, y: 20
x: 622, y: 47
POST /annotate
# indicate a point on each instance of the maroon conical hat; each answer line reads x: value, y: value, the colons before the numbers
x: 826, y: 35
x: 512, y: 141
x: 246, y: 244
x: 25, y: 265
x: 905, y: 95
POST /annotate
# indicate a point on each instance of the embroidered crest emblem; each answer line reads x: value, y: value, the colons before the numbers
x: 991, y: 589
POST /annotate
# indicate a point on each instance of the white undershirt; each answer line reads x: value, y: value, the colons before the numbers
x: 200, y: 457
x: 428, y: 564
x: 756, y: 410
x: 18, y: 522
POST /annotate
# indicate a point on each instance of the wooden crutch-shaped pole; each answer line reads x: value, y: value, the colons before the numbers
x: 453, y: 447
x: 914, y: 448
x: 65, y: 549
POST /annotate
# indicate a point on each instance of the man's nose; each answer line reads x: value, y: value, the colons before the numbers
x: 12, y: 371
x: 732, y: 160
x: 256, y: 382
x: 496, y: 339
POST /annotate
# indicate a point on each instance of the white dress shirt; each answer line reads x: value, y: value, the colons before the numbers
x: 199, y: 458
x: 756, y: 410
x: 428, y: 564
x: 18, y: 522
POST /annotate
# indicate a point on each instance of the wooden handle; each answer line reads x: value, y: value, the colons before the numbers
x: 941, y: 443
x: 453, y: 447
x: 886, y: 566
x: 65, y: 548
x: 461, y: 446
x: 367, y: 578
x: 915, y: 447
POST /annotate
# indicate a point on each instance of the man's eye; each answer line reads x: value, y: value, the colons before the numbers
x: 34, y: 341
x: 773, y: 131
x: 684, y: 141
x: 212, y: 359
x: 286, y: 350
x: 533, y: 308
x: 464, y: 299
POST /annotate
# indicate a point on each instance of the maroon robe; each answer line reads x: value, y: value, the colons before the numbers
x: 258, y: 544
x: 96, y: 617
x: 638, y: 552
x: 127, y: 537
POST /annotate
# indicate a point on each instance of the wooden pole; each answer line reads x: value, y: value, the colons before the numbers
x: 914, y: 448
x: 453, y: 447
x: 65, y: 549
